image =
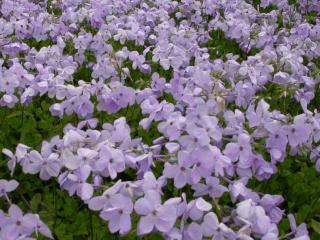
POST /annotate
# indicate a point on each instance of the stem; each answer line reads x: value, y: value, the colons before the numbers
x: 25, y: 201
x: 7, y: 198
x: 55, y: 209
x: 91, y: 227
x: 285, y: 236
x: 217, y: 206
x: 22, y: 115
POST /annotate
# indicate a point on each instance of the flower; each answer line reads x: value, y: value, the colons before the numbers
x: 49, y: 166
x: 240, y: 152
x: 110, y: 160
x: 153, y: 214
x: 179, y: 172
x: 118, y: 214
x: 7, y: 186
x: 76, y: 182
x: 212, y: 188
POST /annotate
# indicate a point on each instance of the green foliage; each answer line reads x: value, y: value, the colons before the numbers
x: 69, y: 48
x: 268, y: 9
x: 29, y: 124
x: 32, y: 42
x: 53, y: 10
x: 67, y: 217
x: 88, y: 27
x: 82, y: 73
x: 312, y: 17
x: 220, y: 46
x: 299, y: 183
x: 273, y: 94
x: 131, y: 45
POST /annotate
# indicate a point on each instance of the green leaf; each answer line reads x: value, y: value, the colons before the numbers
x: 35, y: 202
x: 315, y: 226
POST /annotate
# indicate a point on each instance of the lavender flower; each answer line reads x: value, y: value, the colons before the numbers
x: 153, y: 214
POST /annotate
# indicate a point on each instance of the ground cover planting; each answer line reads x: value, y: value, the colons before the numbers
x: 177, y: 120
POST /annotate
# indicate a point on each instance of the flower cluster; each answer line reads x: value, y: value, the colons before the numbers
x: 218, y: 128
x: 14, y: 224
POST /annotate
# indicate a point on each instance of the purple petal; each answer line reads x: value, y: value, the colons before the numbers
x: 11, y: 185
x: 145, y: 225
x: 125, y: 223
x: 143, y: 206
x: 97, y: 203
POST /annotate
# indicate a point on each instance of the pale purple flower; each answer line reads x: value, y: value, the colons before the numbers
x: 137, y: 60
x: 197, y: 137
x: 7, y: 186
x: 104, y: 201
x: 84, y: 106
x: 8, y: 100
x: 260, y: 116
x: 240, y: 152
x: 179, y: 172
x: 110, y: 160
x: 158, y: 83
x: 76, y: 183
x: 211, y: 188
x: 70, y: 160
x: 87, y: 156
x: 261, y: 168
x: 34, y: 222
x: 120, y: 131
x: 8, y: 82
x: 48, y: 165
x: 239, y: 191
x: 300, y: 232
x: 259, y: 222
x: 17, y: 222
x: 119, y: 98
x: 277, y: 139
x: 151, y: 183
x: 193, y: 232
x: 221, y: 162
x: 270, y: 203
x: 196, y: 208
x: 297, y: 134
x: 203, y: 163
x: 118, y: 214
x: 172, y: 127
x: 210, y: 224
x: 154, y: 215
x: 20, y: 156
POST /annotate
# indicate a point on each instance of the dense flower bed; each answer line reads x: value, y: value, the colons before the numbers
x: 167, y: 118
